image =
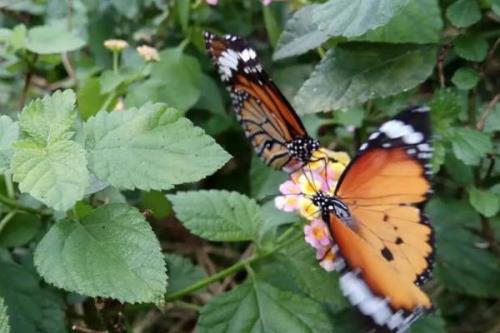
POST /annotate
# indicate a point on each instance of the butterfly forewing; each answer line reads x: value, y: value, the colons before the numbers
x: 269, y: 121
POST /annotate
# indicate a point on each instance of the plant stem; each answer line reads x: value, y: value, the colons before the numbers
x: 239, y: 266
x: 9, y: 186
x: 14, y: 204
x: 6, y: 219
x: 115, y: 61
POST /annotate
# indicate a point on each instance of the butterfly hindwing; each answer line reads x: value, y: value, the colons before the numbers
x: 269, y: 121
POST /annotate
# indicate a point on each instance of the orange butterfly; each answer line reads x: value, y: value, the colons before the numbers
x: 384, y: 245
x: 269, y: 121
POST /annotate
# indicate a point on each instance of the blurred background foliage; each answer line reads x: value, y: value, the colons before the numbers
x: 346, y: 68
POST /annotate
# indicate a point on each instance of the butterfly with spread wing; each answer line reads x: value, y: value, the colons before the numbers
x: 269, y: 121
x: 384, y: 244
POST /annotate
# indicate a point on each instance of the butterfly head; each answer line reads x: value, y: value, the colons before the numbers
x: 332, y: 204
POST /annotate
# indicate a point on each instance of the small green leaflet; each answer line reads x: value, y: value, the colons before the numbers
x: 471, y: 47
x: 149, y: 148
x: 351, y: 74
x: 350, y: 18
x: 219, y: 215
x: 9, y: 133
x: 470, y: 145
x: 485, y: 202
x: 49, y: 39
x: 258, y: 307
x: 55, y: 174
x: 463, y: 13
x: 4, y: 318
x: 465, y: 78
x: 111, y: 252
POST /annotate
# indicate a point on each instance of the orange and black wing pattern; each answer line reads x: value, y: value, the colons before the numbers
x: 269, y: 121
x: 387, y: 242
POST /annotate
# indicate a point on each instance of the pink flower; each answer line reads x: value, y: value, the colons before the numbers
x: 288, y: 202
x: 212, y: 2
x: 328, y: 262
x: 266, y: 2
x: 317, y: 234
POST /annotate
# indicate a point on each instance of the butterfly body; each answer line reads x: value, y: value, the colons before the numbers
x: 269, y: 121
x: 383, y: 242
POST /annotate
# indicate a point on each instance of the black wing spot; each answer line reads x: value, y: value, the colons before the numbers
x: 399, y: 241
x: 386, y: 217
x: 387, y: 254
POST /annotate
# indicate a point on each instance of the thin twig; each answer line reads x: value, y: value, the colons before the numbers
x: 77, y: 328
x: 27, y: 81
x: 440, y: 63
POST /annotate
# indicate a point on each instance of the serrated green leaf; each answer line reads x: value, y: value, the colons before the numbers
x: 51, y: 118
x: 463, y: 13
x: 111, y: 252
x: 211, y: 98
x: 350, y: 18
x: 149, y: 148
x: 465, y: 78
x: 218, y: 215
x: 21, y: 229
x: 350, y: 117
x: 31, y: 309
x: 300, y: 34
x: 48, y: 39
x: 471, y: 47
x: 55, y: 174
x: 470, y: 145
x: 181, y: 273
x: 438, y: 156
x: 259, y: 307
x: 462, y: 266
x: 485, y: 202
x: 351, y: 74
x: 417, y: 22
x: 9, y: 133
x: 446, y: 107
x: 462, y: 174
x: 4, y: 318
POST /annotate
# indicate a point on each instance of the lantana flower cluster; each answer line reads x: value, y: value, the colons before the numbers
x: 321, y: 174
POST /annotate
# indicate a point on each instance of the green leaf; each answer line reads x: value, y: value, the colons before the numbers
x: 285, y: 270
x: 417, y: 22
x: 271, y: 24
x: 300, y: 34
x: 350, y: 18
x: 4, y: 318
x: 157, y: 203
x: 259, y: 307
x: 89, y: 98
x: 111, y: 252
x: 55, y: 174
x: 485, y: 202
x: 211, y: 98
x: 48, y: 39
x: 465, y: 78
x: 181, y: 273
x: 31, y: 309
x: 218, y: 215
x: 175, y: 80
x: 463, y: 13
x: 462, y: 174
x: 150, y: 148
x: 462, y: 266
x: 430, y: 323
x: 495, y: 6
x: 9, y: 133
x: 183, y: 8
x: 351, y: 74
x: 350, y: 117
x: 470, y: 145
x: 446, y: 107
x: 471, y: 47
x: 51, y: 118
x: 21, y: 229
